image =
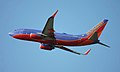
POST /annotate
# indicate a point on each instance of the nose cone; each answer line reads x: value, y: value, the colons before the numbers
x: 11, y: 34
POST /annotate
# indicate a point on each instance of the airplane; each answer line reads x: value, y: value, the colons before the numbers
x: 49, y: 39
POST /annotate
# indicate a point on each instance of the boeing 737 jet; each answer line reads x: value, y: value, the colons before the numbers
x: 49, y: 39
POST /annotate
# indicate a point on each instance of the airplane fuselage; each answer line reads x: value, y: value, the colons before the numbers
x: 60, y: 38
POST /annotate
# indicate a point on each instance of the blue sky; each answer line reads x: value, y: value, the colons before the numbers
x: 74, y: 17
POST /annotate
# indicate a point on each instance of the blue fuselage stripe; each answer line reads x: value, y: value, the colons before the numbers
x: 60, y: 36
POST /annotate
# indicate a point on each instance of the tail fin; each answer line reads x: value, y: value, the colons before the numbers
x: 95, y: 33
x: 98, y: 29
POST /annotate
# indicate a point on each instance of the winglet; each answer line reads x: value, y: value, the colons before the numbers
x: 86, y: 53
x: 54, y: 14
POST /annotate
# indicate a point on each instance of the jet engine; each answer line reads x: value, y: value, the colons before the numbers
x: 46, y: 47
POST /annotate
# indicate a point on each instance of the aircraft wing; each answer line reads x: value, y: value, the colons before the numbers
x: 48, y: 31
x: 67, y: 49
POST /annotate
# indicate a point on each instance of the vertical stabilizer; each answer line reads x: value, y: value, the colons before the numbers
x: 98, y: 29
x: 95, y: 33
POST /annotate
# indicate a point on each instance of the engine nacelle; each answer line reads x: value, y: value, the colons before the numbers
x: 46, y: 47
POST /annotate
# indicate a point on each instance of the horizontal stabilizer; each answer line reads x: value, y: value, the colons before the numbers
x: 103, y: 44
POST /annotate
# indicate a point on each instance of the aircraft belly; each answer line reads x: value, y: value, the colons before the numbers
x: 67, y: 42
x: 87, y: 42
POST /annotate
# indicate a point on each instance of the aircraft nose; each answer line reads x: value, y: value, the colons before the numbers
x: 11, y: 34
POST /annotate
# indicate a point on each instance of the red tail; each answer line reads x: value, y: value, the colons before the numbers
x: 98, y: 29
